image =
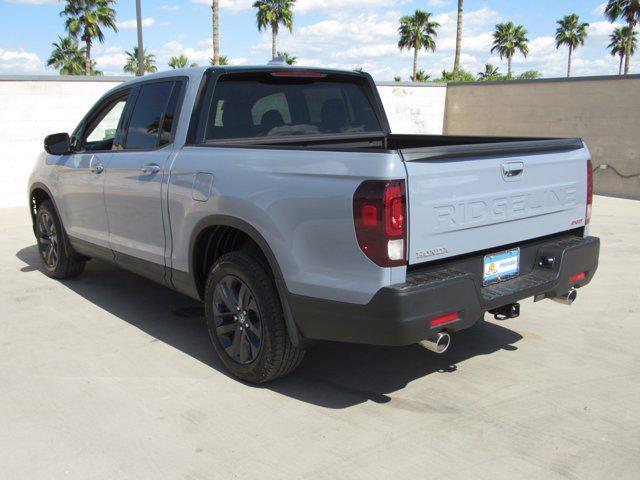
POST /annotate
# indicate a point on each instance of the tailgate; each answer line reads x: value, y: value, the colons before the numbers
x: 470, y: 198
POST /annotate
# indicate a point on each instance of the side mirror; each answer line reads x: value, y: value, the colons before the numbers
x: 57, y: 144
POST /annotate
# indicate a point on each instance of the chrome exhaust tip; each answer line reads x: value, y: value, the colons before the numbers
x: 568, y: 298
x: 438, y: 344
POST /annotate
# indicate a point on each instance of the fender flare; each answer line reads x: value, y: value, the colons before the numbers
x: 42, y: 186
x: 234, y: 222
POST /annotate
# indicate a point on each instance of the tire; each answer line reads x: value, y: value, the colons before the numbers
x: 58, y: 257
x: 251, y: 339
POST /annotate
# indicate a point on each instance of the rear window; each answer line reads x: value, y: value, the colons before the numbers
x: 264, y: 106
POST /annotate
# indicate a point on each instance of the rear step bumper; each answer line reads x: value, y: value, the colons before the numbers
x: 401, y: 314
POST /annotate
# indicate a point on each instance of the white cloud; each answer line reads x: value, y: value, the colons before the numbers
x: 438, y: 3
x: 146, y: 22
x: 338, y: 7
x: 20, y: 61
x: 231, y: 5
x: 599, y: 10
x: 111, y: 63
x: 602, y: 29
x: 170, y: 8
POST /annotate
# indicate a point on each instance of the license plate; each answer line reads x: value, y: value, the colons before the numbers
x: 501, y: 266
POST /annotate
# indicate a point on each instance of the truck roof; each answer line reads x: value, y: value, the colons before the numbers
x: 198, y: 72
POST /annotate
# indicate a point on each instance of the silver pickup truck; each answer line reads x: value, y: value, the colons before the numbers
x: 280, y: 198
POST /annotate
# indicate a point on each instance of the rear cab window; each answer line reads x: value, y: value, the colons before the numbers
x: 271, y: 105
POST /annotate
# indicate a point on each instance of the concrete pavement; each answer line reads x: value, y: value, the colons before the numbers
x: 110, y: 376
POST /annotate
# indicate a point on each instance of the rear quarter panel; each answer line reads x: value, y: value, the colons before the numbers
x: 301, y: 203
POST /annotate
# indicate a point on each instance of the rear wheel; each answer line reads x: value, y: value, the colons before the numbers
x: 245, y: 320
x: 60, y: 261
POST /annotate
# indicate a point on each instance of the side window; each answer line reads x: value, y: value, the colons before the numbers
x: 147, y: 117
x: 101, y: 132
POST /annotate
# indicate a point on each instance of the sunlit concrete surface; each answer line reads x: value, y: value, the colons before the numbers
x: 110, y: 376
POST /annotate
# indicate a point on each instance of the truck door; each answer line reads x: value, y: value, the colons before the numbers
x: 81, y: 174
x: 134, y: 179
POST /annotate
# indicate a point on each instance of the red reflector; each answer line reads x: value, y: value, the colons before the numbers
x: 445, y: 319
x: 299, y: 74
x: 577, y: 277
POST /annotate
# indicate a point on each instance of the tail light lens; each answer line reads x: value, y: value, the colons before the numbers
x: 380, y: 216
x: 589, y: 192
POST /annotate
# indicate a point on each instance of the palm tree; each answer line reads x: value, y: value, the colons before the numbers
x: 509, y: 39
x: 181, y: 61
x: 397, y: 79
x: 490, y: 73
x: 222, y: 60
x: 422, y: 77
x: 619, y: 40
x: 273, y: 13
x: 67, y: 57
x: 572, y: 33
x: 629, y: 10
x: 85, y: 19
x: 289, y: 59
x: 215, y: 10
x: 456, y: 63
x: 132, y: 65
x: 417, y: 31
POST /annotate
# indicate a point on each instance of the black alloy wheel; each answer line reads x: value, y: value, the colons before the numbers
x: 237, y: 321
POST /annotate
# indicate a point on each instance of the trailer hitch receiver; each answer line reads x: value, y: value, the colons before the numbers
x: 508, y: 311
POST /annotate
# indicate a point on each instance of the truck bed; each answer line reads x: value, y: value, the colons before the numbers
x: 414, y: 146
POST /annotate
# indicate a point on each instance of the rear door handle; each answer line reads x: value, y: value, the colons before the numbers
x: 150, y: 169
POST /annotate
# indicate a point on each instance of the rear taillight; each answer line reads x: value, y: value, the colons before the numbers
x: 589, y: 192
x: 380, y: 216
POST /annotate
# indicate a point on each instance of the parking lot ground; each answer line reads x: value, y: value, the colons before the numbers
x: 110, y: 376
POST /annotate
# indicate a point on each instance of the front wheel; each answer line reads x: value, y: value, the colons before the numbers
x: 245, y: 320
x: 60, y: 261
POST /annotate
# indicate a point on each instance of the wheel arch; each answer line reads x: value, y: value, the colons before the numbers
x: 38, y: 193
x: 231, y: 231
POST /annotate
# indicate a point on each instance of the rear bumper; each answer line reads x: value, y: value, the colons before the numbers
x: 401, y: 314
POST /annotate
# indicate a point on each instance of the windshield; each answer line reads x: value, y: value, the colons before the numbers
x: 264, y: 106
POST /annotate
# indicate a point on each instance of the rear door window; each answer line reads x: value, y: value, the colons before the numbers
x: 148, y: 123
x: 261, y: 105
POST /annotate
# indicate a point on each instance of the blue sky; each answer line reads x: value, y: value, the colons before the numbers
x: 332, y: 33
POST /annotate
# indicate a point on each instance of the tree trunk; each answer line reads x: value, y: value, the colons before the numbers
x: 569, y: 63
x: 627, y: 61
x: 621, y: 61
x: 87, y: 59
x: 215, y: 7
x: 274, y: 34
x: 415, y: 64
x: 456, y: 63
x: 509, y: 68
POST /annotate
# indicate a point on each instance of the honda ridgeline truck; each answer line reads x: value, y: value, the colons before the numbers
x: 279, y: 197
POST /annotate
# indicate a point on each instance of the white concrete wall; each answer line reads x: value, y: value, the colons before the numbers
x: 417, y: 109
x: 30, y: 109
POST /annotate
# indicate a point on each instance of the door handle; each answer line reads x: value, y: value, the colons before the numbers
x: 150, y: 169
x: 97, y: 168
